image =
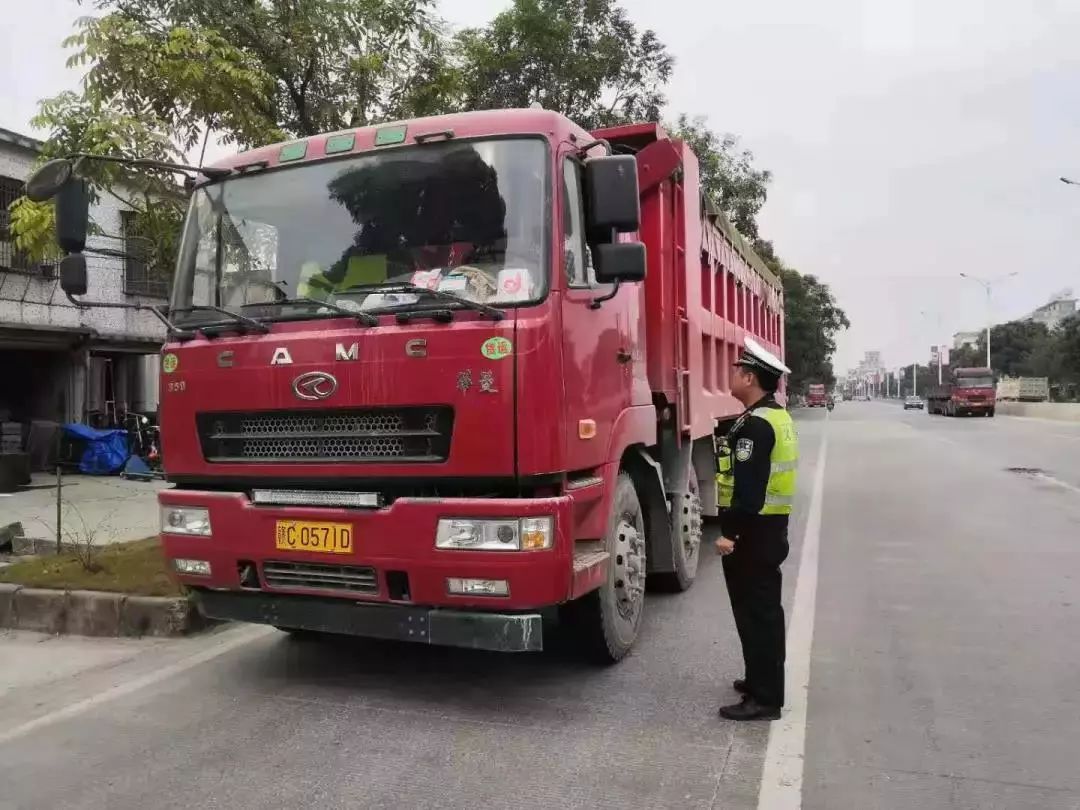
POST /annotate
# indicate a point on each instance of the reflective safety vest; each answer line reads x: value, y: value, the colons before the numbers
x: 316, y: 283
x: 784, y: 460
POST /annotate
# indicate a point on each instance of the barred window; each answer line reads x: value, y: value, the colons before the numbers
x: 142, y: 274
x: 11, y: 258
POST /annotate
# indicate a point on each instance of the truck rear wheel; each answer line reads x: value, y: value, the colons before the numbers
x: 685, y: 542
x: 607, y: 620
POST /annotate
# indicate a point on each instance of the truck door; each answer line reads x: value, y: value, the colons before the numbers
x: 598, y: 358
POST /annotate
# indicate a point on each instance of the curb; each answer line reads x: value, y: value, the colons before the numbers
x: 97, y: 613
x: 22, y: 546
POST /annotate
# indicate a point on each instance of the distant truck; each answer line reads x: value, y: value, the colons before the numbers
x: 1023, y: 389
x: 970, y: 392
x: 816, y: 396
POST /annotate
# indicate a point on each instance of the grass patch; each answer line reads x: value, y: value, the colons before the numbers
x: 137, y: 568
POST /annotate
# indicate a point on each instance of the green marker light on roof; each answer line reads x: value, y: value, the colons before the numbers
x: 387, y: 136
x: 340, y: 143
x: 292, y: 151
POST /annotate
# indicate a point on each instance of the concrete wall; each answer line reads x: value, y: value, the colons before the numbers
x: 34, y: 301
x: 1059, y: 411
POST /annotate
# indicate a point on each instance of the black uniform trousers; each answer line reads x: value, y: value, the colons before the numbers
x: 752, y: 573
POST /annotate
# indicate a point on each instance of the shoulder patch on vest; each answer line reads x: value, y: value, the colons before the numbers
x: 744, y: 448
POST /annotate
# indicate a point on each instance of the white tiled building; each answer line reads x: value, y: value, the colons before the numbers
x: 59, y: 362
x: 1053, y: 312
x: 962, y: 339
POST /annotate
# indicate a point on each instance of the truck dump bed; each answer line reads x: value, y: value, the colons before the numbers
x: 705, y: 290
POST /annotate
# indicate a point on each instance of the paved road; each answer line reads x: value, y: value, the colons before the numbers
x: 946, y: 656
x: 944, y: 672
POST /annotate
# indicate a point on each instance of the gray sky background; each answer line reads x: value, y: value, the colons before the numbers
x: 910, y: 140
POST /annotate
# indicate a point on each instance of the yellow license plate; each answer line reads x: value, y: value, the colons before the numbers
x: 327, y: 538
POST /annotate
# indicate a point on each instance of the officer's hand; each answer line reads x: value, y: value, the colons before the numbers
x: 724, y: 546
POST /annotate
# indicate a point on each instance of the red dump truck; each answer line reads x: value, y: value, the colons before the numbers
x: 969, y: 392
x: 816, y: 396
x: 432, y: 380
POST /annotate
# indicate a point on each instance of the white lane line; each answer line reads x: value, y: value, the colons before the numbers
x: 782, y: 776
x: 230, y: 640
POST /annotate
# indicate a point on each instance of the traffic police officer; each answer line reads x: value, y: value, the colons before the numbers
x: 755, y: 488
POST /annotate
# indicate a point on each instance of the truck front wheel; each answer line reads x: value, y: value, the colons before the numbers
x: 607, y: 620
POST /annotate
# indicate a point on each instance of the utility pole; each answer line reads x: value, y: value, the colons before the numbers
x: 988, y: 285
x: 937, y: 334
x: 914, y: 379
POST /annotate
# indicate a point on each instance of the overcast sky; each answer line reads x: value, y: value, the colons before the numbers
x: 910, y: 140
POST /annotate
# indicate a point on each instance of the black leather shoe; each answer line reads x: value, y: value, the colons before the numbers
x: 739, y: 685
x: 749, y: 709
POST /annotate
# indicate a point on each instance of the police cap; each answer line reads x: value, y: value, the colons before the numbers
x: 757, y: 357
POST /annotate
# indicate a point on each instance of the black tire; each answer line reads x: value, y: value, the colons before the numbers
x: 686, y: 533
x: 990, y: 413
x: 606, y: 625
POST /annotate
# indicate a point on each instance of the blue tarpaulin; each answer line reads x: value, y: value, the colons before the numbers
x: 106, y: 450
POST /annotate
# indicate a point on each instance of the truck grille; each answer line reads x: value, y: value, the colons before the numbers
x: 320, y: 577
x: 372, y: 434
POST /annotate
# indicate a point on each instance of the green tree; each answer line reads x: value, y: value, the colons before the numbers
x: 83, y: 124
x: 727, y: 173
x: 812, y: 319
x: 165, y: 74
x: 1068, y: 347
x: 252, y: 71
x: 1013, y: 348
x: 583, y: 58
x: 587, y: 60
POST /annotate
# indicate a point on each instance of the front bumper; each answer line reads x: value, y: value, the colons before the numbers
x: 502, y: 632
x: 397, y: 542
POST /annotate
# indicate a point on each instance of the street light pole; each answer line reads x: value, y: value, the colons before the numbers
x: 988, y: 286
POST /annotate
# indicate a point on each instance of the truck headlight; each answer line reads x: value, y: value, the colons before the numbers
x: 185, y: 520
x: 473, y: 534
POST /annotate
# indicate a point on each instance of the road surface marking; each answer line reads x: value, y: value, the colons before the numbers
x: 781, y: 778
x: 1049, y: 479
x: 228, y: 641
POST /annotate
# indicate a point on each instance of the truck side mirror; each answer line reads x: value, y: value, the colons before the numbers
x: 72, y: 215
x: 73, y: 274
x: 48, y: 180
x: 619, y: 261
x: 611, y: 194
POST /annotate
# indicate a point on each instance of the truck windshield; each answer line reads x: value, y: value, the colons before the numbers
x: 975, y: 382
x: 468, y: 218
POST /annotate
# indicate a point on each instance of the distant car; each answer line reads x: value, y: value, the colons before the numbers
x: 914, y: 402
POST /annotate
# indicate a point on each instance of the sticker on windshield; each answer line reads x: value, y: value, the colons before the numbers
x: 169, y: 363
x: 513, y: 284
x: 496, y: 348
x: 453, y: 283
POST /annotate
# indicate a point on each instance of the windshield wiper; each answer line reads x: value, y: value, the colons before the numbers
x: 240, y: 320
x: 437, y: 315
x: 361, y: 317
x: 495, y: 313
